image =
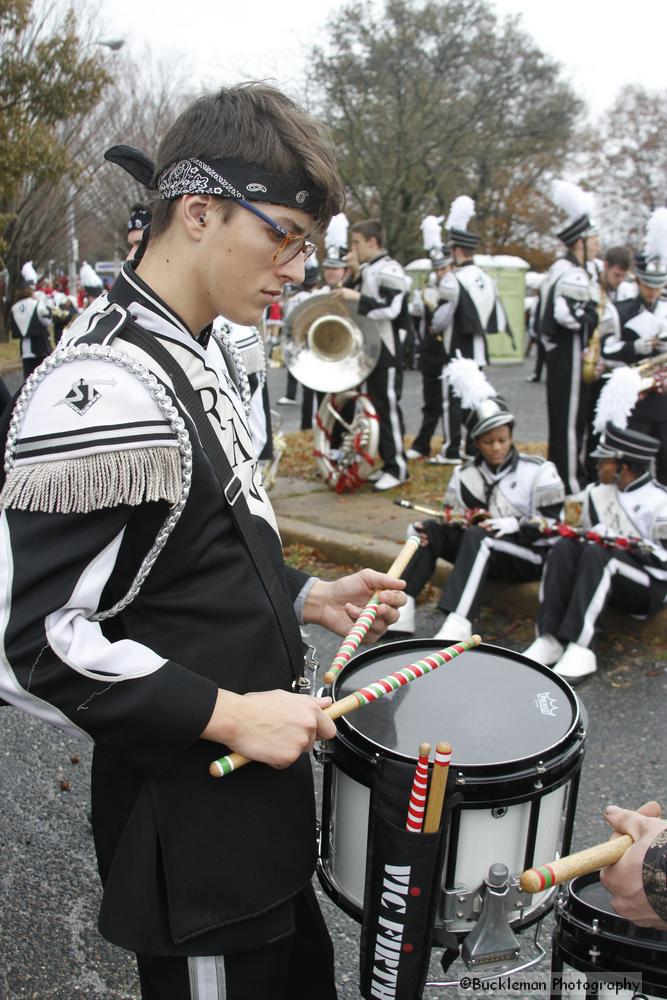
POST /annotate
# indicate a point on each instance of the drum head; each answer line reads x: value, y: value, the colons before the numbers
x: 492, y: 705
x: 589, y: 900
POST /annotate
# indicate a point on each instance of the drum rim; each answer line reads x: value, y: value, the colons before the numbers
x: 353, y: 733
x: 655, y: 939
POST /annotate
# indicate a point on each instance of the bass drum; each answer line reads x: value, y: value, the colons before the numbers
x: 346, y: 437
x: 592, y: 944
x: 517, y: 733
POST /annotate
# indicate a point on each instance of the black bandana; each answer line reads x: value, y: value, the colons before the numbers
x: 227, y: 178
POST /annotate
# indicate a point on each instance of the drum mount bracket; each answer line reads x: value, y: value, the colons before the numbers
x: 492, y: 940
x: 466, y: 904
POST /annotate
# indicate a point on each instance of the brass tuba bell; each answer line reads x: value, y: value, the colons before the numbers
x: 328, y: 346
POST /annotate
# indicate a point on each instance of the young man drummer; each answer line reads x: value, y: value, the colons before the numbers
x: 512, y: 488
x: 113, y: 503
x: 582, y: 577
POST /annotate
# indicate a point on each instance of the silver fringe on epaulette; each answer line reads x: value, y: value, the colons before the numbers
x: 84, y: 352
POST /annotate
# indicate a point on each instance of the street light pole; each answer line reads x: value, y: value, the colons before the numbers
x: 114, y: 44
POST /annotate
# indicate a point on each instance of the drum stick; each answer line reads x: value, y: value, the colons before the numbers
x: 417, y: 804
x: 364, y: 696
x: 436, y: 794
x: 409, y: 505
x: 581, y: 863
x: 358, y: 631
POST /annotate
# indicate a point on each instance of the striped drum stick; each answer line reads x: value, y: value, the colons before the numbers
x: 364, y: 696
x: 417, y: 804
x: 581, y: 863
x: 357, y: 633
x: 436, y: 795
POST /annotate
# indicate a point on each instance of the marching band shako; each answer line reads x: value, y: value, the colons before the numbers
x: 518, y: 735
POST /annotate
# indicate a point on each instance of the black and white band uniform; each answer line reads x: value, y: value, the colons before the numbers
x: 29, y: 321
x: 383, y: 285
x: 432, y: 358
x: 101, y: 467
x: 568, y: 317
x: 470, y: 308
x: 634, y: 331
x: 521, y: 488
x: 581, y: 578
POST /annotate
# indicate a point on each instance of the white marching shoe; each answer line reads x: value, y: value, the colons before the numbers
x: 414, y: 455
x: 387, y: 482
x: 576, y: 663
x: 406, y: 618
x: 454, y: 627
x: 545, y: 649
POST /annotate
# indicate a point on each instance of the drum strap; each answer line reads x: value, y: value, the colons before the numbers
x: 231, y: 490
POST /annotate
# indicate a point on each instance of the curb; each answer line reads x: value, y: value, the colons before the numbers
x: 347, y: 547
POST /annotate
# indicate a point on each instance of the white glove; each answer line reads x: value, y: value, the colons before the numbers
x: 643, y: 346
x: 502, y: 525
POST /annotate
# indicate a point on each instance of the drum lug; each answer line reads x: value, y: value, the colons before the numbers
x: 322, y: 751
x: 492, y: 940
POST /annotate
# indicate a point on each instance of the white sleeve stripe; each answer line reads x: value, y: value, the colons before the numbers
x: 80, y: 643
x: 10, y: 689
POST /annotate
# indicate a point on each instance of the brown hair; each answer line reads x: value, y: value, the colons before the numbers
x: 618, y: 257
x: 260, y: 124
x: 370, y: 229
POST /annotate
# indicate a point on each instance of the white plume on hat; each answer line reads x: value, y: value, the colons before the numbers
x: 460, y: 213
x: 89, y: 277
x: 468, y: 382
x: 28, y: 273
x: 618, y: 398
x: 431, y: 227
x: 655, y: 244
x: 572, y: 199
x: 336, y: 234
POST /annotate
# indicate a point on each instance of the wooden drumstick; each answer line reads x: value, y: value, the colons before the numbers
x: 436, y: 792
x: 364, y: 696
x: 358, y: 631
x: 581, y: 863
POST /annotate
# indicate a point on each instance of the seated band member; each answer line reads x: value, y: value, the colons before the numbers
x: 510, y: 486
x: 581, y: 576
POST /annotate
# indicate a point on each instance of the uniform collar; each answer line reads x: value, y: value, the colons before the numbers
x: 509, y: 465
x: 380, y: 256
x: 129, y: 289
x: 637, y: 483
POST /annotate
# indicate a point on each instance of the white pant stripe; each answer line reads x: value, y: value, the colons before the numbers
x: 519, y: 551
x: 575, y: 383
x: 472, y: 586
x: 207, y: 977
x: 396, y: 423
x: 594, y: 609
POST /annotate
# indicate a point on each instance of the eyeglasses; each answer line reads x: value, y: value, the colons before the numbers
x: 292, y: 244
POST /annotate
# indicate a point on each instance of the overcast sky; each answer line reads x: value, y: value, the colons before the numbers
x: 602, y: 44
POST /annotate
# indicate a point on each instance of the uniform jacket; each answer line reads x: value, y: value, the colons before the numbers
x: 29, y: 321
x: 630, y: 326
x: 567, y: 302
x: 102, y: 460
x: 384, y: 285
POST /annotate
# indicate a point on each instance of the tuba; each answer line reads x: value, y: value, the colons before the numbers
x: 328, y: 347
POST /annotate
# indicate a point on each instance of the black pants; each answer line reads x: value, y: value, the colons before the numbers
x: 385, y: 386
x: 580, y: 579
x: 290, y: 385
x: 309, y: 406
x: 476, y: 555
x: 567, y: 409
x: 432, y: 409
x: 299, y: 967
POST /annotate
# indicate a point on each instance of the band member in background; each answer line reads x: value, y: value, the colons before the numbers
x: 581, y: 577
x: 293, y: 296
x: 512, y: 488
x: 336, y: 248
x: 378, y: 285
x: 568, y: 317
x: 433, y: 355
x: 470, y: 306
x: 637, y: 332
x: 196, y: 645
x: 140, y: 218
x: 29, y: 320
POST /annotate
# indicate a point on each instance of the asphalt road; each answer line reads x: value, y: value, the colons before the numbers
x: 48, y: 882
x: 526, y: 400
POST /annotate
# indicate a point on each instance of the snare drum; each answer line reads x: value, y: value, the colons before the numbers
x: 592, y: 942
x: 517, y: 732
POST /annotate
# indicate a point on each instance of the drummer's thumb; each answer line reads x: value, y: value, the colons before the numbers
x: 622, y: 821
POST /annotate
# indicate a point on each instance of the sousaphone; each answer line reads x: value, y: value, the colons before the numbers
x: 330, y: 348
